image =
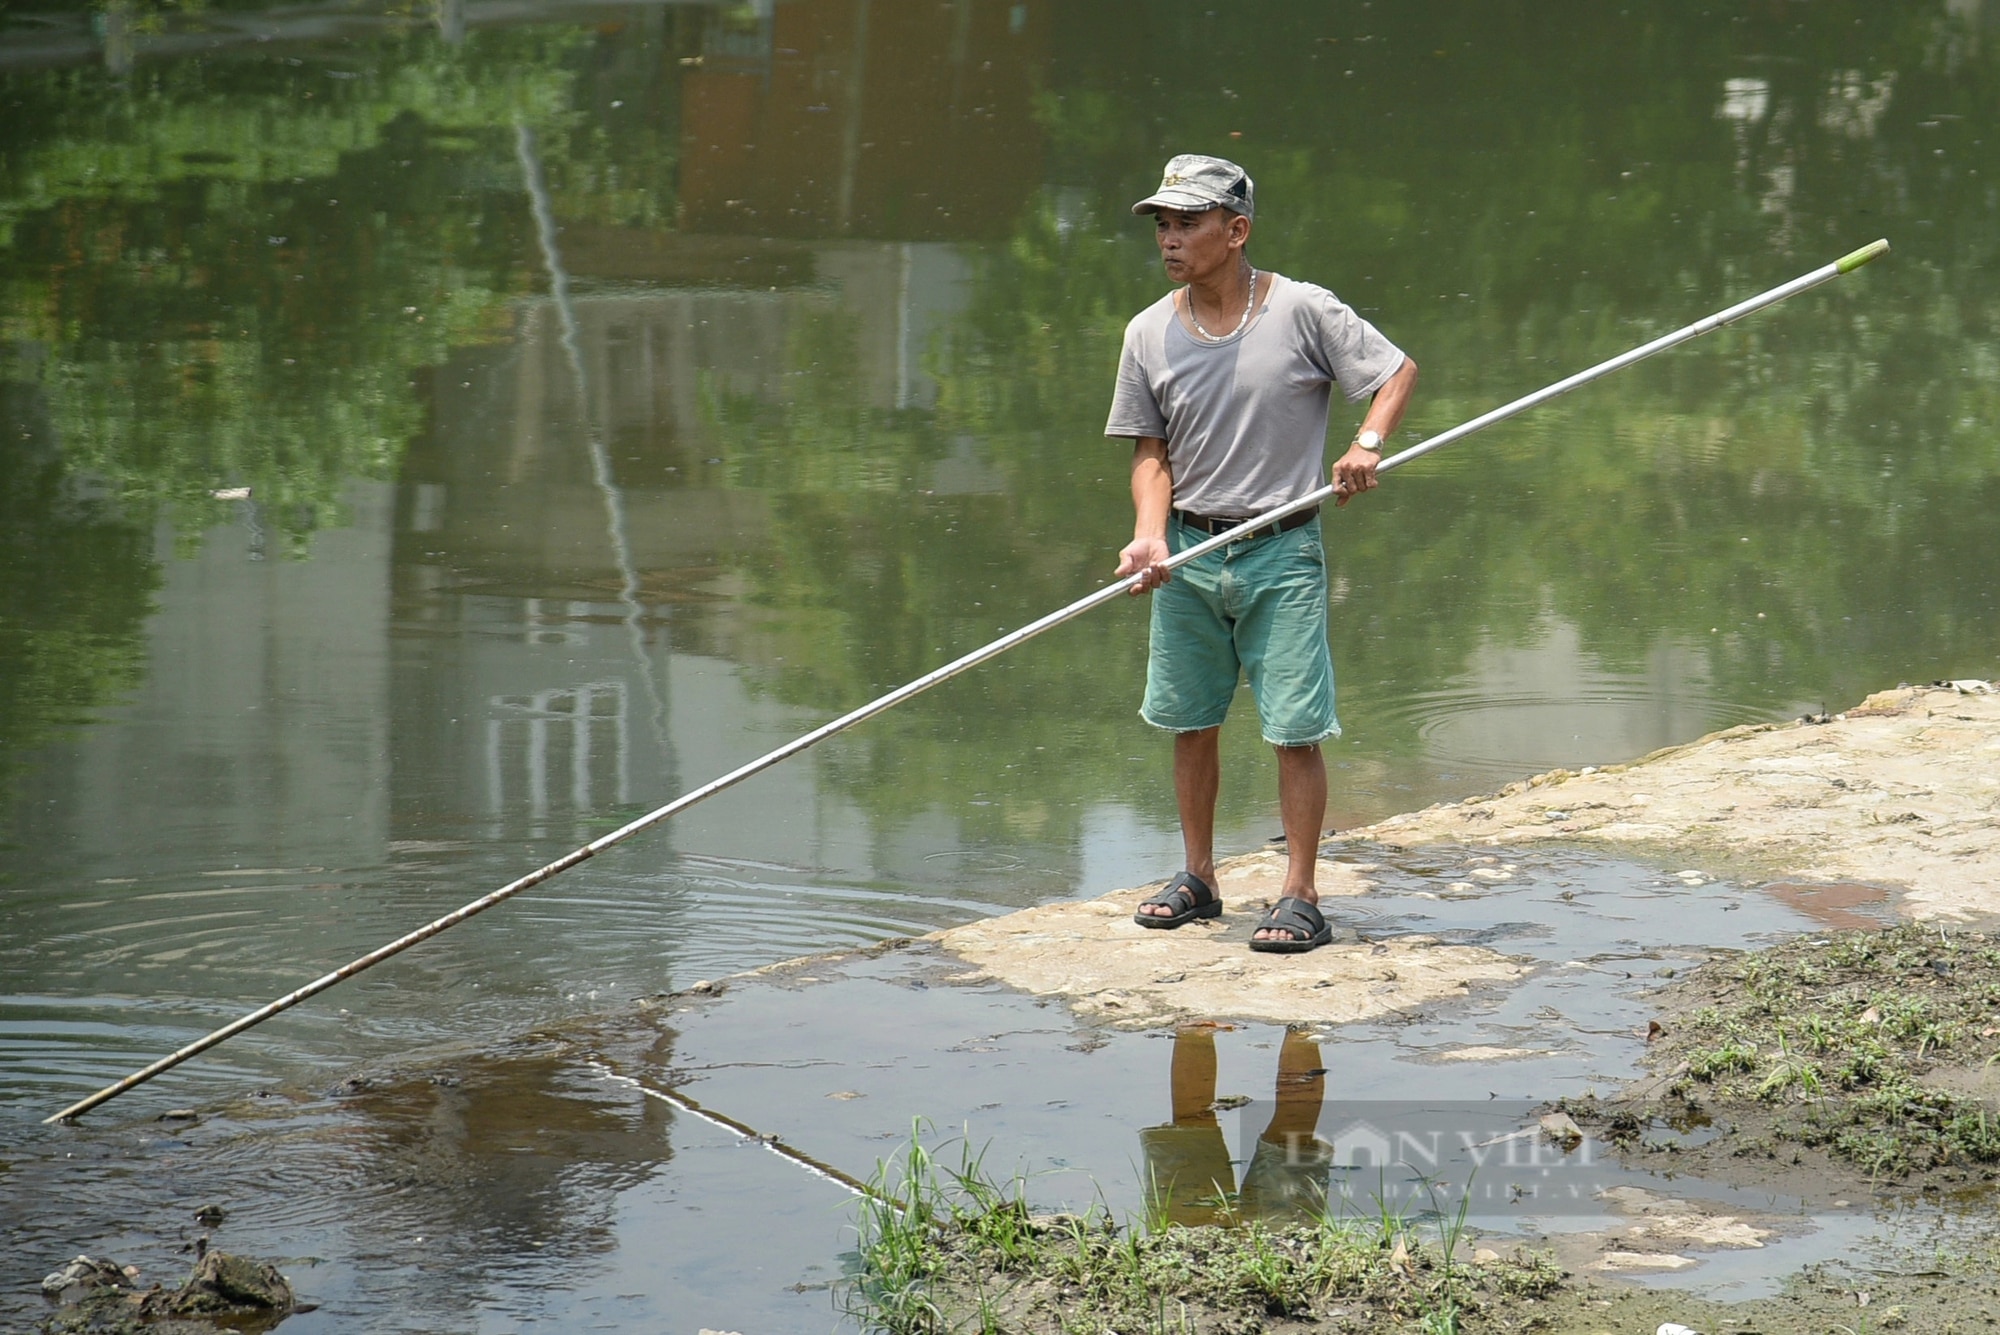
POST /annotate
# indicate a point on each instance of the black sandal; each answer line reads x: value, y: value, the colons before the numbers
x: 1305, y: 924
x: 1188, y: 896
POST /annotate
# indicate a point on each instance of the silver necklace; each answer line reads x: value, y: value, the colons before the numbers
x: 1248, y: 302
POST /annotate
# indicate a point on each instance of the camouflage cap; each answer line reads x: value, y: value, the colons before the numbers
x: 1196, y: 182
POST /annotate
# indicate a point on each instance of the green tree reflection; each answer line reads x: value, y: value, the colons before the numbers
x: 237, y: 267
x: 234, y: 272
x: 76, y: 583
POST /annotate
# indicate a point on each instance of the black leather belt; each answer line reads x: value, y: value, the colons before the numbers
x: 1213, y: 524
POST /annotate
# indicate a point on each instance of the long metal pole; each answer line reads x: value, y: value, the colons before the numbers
x: 1845, y: 265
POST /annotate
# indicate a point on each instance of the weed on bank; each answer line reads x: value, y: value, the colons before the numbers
x: 1877, y: 1047
x: 947, y: 1249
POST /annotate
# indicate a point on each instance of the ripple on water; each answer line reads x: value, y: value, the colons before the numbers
x: 1474, y: 730
x: 157, y: 965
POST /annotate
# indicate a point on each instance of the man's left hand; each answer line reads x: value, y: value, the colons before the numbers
x: 1354, y: 473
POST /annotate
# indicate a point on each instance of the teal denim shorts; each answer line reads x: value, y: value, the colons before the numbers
x: 1255, y: 609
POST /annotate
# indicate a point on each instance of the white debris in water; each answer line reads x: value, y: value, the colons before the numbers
x: 1643, y: 1261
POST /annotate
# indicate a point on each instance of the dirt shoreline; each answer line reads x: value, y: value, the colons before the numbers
x: 1903, y: 790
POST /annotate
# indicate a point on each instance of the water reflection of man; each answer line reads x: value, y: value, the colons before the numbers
x: 1225, y: 386
x: 1189, y: 1179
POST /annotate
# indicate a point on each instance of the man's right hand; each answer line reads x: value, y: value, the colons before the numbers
x: 1147, y: 558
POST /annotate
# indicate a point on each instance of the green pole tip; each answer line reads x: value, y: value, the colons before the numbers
x: 1849, y: 263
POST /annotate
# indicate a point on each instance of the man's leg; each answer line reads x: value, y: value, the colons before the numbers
x: 1302, y: 803
x: 1282, y: 641
x: 1197, y: 779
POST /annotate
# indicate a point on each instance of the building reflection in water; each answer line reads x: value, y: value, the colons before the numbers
x: 834, y: 159
x: 858, y: 118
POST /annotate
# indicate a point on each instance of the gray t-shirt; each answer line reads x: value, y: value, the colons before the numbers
x: 1245, y: 418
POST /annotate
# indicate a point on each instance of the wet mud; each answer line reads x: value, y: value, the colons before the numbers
x: 1841, y: 1066
x: 1238, y: 1282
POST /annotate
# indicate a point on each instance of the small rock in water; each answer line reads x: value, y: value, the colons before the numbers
x: 86, y: 1273
x: 1059, y: 1222
x: 223, y: 1282
x: 1562, y: 1129
x: 99, y: 1296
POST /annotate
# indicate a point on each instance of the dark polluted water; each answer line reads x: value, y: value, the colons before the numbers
x: 430, y: 438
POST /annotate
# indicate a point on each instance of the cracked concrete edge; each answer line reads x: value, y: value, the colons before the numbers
x: 1109, y: 970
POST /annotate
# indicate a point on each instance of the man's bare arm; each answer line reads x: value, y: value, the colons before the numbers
x: 1354, y: 471
x: 1152, y: 498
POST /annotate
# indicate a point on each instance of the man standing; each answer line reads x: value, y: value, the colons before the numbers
x: 1224, y: 387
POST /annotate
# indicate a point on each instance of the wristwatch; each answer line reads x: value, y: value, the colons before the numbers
x: 1370, y: 440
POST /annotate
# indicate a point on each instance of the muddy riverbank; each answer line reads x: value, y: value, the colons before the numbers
x: 1532, y: 966
x: 1833, y: 1075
